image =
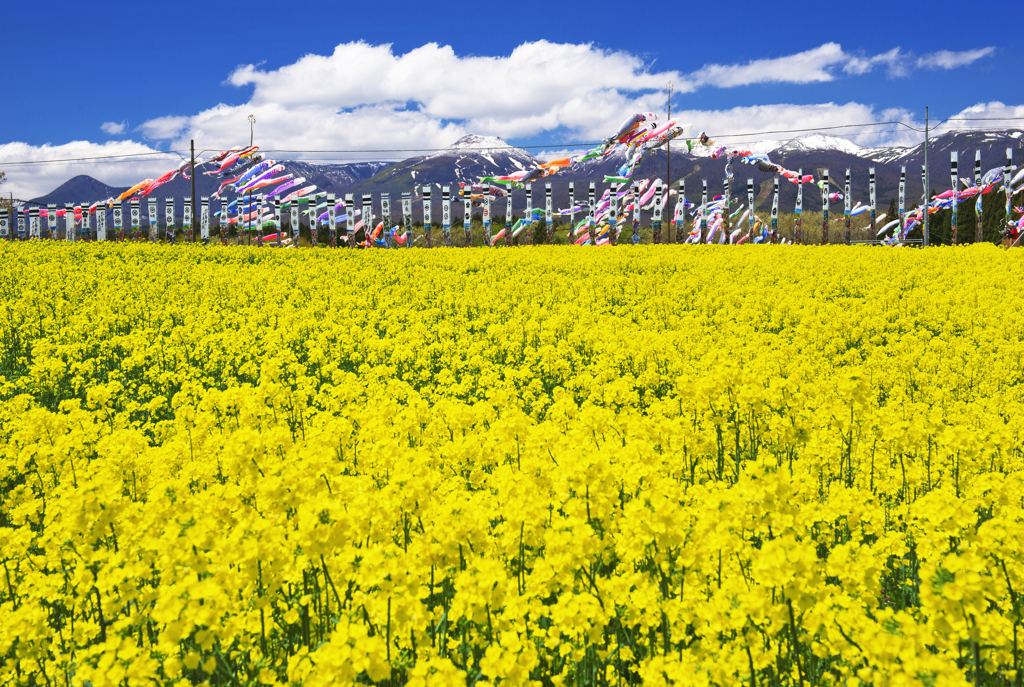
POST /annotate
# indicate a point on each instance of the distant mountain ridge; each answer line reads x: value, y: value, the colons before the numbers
x: 79, y: 189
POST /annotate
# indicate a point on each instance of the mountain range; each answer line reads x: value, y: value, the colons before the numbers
x: 473, y: 156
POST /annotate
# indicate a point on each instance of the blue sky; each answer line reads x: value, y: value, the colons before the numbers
x: 418, y: 74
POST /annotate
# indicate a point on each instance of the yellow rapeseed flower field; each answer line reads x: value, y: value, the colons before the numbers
x: 643, y: 465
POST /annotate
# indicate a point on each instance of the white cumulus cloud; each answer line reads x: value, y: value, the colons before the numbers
x: 991, y: 115
x: 947, y: 59
x: 114, y: 128
x: 368, y: 97
x: 804, y: 67
x: 48, y: 166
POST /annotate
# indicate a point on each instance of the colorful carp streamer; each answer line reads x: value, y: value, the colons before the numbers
x: 639, y: 134
x: 240, y: 162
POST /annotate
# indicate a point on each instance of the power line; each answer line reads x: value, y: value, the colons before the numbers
x: 983, y: 119
x: 437, y: 150
x: 793, y: 131
x: 978, y: 119
x: 98, y: 157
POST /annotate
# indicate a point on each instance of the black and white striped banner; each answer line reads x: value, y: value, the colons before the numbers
x: 703, y: 209
x: 548, y: 213
x: 824, y: 193
x: 136, y: 216
x: 592, y: 210
x: 118, y: 219
x: 51, y: 220
x: 572, y: 206
x: 367, y: 218
x: 407, y: 217
x: 659, y: 193
x: 799, y: 194
x: 350, y: 216
x: 154, y: 218
x: 750, y: 206
x: 467, y: 217
x: 726, y: 198
x: 679, y: 215
x: 169, y: 219
x: 824, y: 206
x: 978, y: 202
x: 903, y: 193
x: 775, y: 203
x: 446, y: 215
x: 204, y: 218
x: 528, y: 217
x: 847, y: 207
x: 872, y: 199
x: 954, y: 177
x: 332, y: 215
x: 385, y: 213
x: 186, y: 215
x: 613, y: 210
x: 277, y: 220
x: 69, y: 223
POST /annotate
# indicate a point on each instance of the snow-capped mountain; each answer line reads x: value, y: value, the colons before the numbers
x: 486, y: 147
x: 466, y: 160
x: 991, y: 143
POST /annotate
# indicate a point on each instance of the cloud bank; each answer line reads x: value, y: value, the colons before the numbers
x: 367, y: 96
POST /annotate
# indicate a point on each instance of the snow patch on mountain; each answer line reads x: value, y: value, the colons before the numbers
x: 885, y: 155
x: 475, y: 149
x: 821, y: 142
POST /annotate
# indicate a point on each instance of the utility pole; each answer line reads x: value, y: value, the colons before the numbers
x: 668, y: 158
x: 193, y: 146
x: 926, y: 180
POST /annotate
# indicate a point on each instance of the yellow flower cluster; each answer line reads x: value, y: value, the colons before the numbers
x: 657, y: 465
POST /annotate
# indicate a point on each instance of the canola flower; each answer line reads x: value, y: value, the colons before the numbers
x: 654, y: 465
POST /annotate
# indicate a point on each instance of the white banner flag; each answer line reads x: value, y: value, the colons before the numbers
x: 332, y: 214
x: 186, y: 216
x: 169, y: 220
x: 136, y: 218
x: 204, y: 218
